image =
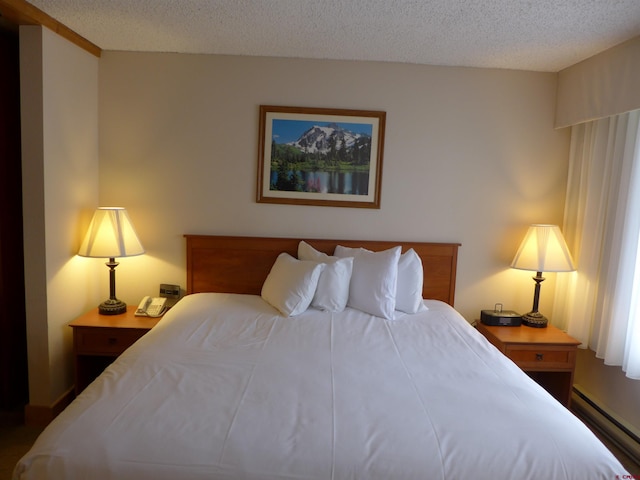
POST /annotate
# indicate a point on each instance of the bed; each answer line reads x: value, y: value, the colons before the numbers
x: 227, y: 386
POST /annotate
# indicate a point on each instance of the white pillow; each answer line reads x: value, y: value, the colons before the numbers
x: 373, y: 281
x: 332, y: 293
x: 410, y: 280
x: 291, y: 284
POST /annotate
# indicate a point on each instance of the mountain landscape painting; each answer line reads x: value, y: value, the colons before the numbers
x: 323, y: 157
x: 317, y: 156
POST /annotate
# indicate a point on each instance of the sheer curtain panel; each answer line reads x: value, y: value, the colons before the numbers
x: 599, y: 304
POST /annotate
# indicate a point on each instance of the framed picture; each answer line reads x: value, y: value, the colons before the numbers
x: 320, y: 156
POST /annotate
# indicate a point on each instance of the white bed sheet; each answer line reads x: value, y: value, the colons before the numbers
x: 224, y: 388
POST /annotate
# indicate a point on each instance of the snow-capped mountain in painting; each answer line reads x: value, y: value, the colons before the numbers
x: 332, y: 137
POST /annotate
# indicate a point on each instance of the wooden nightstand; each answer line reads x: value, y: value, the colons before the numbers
x: 548, y: 355
x: 99, y: 339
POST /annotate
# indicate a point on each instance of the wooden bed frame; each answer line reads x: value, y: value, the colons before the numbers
x: 241, y: 264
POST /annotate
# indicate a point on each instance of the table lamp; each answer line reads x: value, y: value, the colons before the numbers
x: 111, y: 235
x: 542, y: 250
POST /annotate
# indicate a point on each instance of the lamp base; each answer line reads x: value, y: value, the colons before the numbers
x: 534, y: 319
x: 113, y: 306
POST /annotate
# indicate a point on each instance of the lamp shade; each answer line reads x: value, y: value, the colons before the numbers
x: 110, y: 235
x: 543, y: 250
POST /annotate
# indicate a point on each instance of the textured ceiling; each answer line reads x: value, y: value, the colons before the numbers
x: 542, y: 35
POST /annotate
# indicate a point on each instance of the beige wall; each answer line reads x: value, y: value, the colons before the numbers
x: 470, y: 156
x: 59, y: 85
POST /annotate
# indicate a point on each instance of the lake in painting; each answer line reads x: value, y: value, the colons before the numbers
x: 346, y: 183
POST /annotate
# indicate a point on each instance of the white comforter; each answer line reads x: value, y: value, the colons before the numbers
x: 224, y: 388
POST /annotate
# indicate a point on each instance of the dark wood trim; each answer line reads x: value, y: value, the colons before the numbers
x: 42, y: 415
x: 21, y: 12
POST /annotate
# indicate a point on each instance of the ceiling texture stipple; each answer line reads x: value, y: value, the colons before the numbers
x: 538, y: 35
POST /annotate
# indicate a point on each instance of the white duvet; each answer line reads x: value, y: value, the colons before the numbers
x: 224, y: 388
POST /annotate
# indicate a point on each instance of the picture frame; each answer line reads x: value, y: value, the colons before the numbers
x: 320, y: 156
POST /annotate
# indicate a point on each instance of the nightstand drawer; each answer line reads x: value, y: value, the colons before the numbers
x: 105, y: 341
x: 531, y: 357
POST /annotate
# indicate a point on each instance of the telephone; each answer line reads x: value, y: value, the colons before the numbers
x: 151, y: 307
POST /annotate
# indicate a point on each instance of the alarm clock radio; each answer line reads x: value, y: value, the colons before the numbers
x: 499, y: 317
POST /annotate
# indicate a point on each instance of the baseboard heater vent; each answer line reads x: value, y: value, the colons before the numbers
x: 624, y: 436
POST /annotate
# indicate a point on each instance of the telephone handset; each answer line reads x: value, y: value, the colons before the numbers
x: 151, y: 307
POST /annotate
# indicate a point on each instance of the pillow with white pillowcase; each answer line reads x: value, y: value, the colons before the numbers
x: 373, y: 280
x: 410, y: 281
x: 291, y: 284
x: 332, y: 293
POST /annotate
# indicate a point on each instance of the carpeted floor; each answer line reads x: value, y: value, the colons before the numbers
x: 15, y: 441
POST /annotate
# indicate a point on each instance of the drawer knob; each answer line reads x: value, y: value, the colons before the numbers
x: 113, y: 341
x: 539, y: 356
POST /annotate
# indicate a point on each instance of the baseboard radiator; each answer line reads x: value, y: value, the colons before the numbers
x: 625, y: 436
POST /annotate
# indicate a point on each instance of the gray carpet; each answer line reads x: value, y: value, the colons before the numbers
x: 15, y: 441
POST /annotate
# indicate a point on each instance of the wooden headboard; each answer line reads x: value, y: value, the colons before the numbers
x: 241, y: 264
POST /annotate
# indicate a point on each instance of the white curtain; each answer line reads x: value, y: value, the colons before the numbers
x: 599, y: 304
